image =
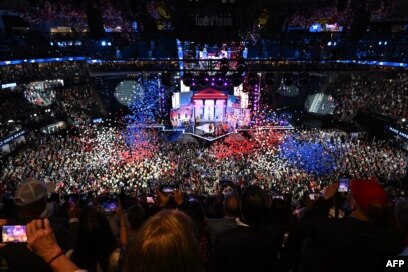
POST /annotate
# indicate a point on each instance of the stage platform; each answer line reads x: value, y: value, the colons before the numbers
x: 202, y: 134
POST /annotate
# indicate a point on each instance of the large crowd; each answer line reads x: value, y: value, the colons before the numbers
x: 199, y: 208
x: 142, y: 65
x: 67, y: 13
x: 330, y: 14
x: 101, y: 197
x: 79, y: 103
x: 327, y: 15
x: 103, y: 159
x: 394, y: 101
x: 29, y: 72
x: 16, y: 112
x: 76, y: 105
x: 386, y: 96
x: 118, y: 196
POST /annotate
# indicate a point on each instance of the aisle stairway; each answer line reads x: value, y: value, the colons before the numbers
x: 99, y: 101
x: 316, y: 103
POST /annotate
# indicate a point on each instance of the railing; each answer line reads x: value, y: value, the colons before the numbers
x: 294, y: 46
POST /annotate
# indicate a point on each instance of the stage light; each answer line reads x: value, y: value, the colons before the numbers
x: 109, y: 43
x: 245, y: 53
x: 329, y: 43
x: 224, y: 66
x: 403, y: 120
x: 269, y: 79
x: 203, y: 79
x: 188, y: 79
x: 288, y: 79
x: 51, y: 43
x: 219, y: 82
x: 103, y: 43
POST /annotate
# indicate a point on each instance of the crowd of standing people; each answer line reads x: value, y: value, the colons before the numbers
x: 100, y: 160
x: 377, y: 93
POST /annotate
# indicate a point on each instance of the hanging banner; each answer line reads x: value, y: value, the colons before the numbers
x: 12, y: 137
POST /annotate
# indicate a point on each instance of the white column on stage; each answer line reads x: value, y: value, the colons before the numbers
x: 194, y: 117
x: 215, y: 106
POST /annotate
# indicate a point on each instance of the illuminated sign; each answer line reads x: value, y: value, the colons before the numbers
x: 213, y: 21
x: 8, y: 85
x: 12, y: 137
x: 398, y: 132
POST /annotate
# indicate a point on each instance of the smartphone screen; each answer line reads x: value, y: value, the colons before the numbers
x: 167, y: 189
x: 14, y: 234
x: 150, y: 200
x: 312, y: 196
x: 279, y: 197
x: 109, y: 206
x: 343, y: 185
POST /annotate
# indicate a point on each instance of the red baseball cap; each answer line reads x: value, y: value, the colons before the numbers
x: 367, y: 192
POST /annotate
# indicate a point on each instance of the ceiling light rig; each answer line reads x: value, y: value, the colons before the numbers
x: 224, y: 66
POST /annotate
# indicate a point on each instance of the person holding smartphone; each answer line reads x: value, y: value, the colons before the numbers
x: 31, y: 203
x: 355, y: 243
x: 42, y: 241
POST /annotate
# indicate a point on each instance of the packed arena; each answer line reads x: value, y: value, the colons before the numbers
x: 203, y: 136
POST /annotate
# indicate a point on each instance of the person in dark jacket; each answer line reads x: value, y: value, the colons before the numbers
x: 216, y: 227
x: 252, y: 245
x: 354, y: 243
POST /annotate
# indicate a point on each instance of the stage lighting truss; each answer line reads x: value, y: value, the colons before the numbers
x: 220, y: 80
x: 241, y: 67
x: 204, y: 79
x: 217, y: 80
x: 188, y: 79
x: 224, y: 66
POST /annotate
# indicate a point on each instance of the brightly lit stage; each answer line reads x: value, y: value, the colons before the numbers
x: 212, y: 137
x: 210, y: 112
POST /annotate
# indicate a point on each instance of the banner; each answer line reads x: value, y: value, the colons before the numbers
x: 12, y: 137
x: 398, y: 132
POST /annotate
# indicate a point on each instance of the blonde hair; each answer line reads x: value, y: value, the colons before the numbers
x: 166, y: 242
